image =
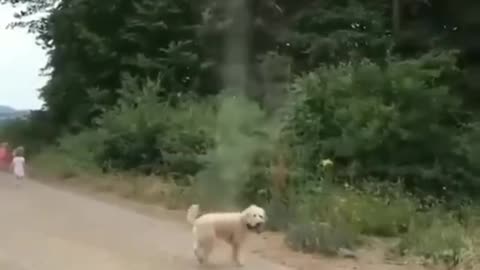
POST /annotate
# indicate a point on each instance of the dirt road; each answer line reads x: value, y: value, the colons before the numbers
x: 43, y: 228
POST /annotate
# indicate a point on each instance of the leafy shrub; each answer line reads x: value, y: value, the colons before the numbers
x: 73, y: 155
x: 146, y: 134
x: 243, y: 136
x: 399, y: 121
x: 365, y: 213
x: 373, y: 216
x: 441, y: 240
x: 317, y: 237
x: 329, y: 217
x: 142, y: 133
x: 82, y: 147
x: 319, y: 227
x: 280, y: 215
x: 33, y: 132
x: 50, y: 162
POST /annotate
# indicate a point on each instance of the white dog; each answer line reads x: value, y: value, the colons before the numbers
x: 232, y: 227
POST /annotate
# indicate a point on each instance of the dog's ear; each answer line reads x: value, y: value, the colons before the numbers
x: 246, y: 210
x: 246, y: 213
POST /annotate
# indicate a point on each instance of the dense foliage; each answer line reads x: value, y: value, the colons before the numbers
x: 400, y: 122
x: 349, y: 115
x: 373, y: 85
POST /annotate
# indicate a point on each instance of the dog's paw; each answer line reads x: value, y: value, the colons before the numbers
x: 200, y: 260
x: 238, y: 263
x: 198, y: 255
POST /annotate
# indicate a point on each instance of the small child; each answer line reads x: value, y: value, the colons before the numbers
x: 18, y: 163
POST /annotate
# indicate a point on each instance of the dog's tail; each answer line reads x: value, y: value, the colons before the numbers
x: 192, y: 213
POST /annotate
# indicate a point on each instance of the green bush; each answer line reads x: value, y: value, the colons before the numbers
x: 236, y: 165
x: 319, y: 223
x: 280, y: 215
x: 62, y: 165
x: 82, y: 147
x: 365, y: 213
x: 33, y: 132
x: 398, y: 121
x: 143, y: 133
x: 317, y: 237
x: 440, y: 239
x: 152, y: 135
x: 372, y: 216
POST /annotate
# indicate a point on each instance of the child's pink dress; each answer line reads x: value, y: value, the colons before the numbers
x: 4, y: 159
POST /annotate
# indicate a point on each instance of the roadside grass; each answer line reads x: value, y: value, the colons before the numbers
x: 53, y: 166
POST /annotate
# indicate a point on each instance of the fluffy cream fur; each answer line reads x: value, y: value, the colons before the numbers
x: 232, y: 227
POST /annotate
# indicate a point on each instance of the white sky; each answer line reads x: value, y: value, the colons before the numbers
x: 20, y: 63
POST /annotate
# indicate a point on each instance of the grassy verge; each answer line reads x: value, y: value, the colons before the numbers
x: 56, y: 167
x: 323, y: 220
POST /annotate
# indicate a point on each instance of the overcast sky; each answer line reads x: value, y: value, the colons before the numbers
x: 20, y: 63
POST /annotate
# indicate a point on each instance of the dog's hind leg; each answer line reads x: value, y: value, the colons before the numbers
x: 202, y: 250
x: 199, y: 253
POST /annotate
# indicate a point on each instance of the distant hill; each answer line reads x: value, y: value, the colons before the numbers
x: 8, y: 113
x: 5, y: 109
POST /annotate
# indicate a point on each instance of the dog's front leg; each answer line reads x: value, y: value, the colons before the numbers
x: 236, y: 254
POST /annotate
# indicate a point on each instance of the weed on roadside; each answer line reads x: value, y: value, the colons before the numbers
x: 435, y: 238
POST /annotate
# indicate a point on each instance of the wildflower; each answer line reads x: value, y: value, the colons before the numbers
x: 326, y: 163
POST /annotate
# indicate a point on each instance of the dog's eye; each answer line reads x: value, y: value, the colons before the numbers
x: 260, y: 216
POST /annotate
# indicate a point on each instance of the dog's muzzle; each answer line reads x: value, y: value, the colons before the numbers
x: 258, y: 228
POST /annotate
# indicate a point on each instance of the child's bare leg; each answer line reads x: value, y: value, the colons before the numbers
x: 18, y: 179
